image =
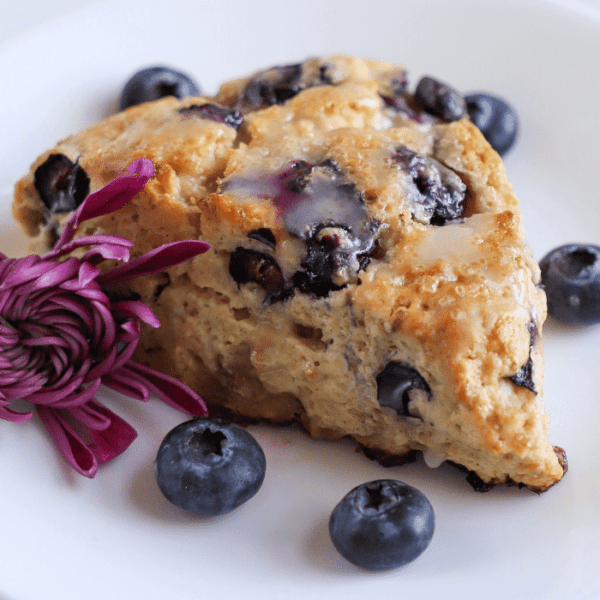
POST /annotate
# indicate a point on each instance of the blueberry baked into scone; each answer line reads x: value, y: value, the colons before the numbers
x: 368, y: 275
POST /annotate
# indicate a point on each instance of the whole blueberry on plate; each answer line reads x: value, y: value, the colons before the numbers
x: 382, y: 524
x: 209, y: 466
x: 439, y: 99
x: 571, y: 277
x: 153, y: 83
x: 495, y: 118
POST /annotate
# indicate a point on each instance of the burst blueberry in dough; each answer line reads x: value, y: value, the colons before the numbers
x: 368, y: 277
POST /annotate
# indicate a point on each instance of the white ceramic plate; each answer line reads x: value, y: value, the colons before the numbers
x: 64, y: 536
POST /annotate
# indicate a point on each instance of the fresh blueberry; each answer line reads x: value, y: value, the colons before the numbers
x: 398, y: 83
x: 324, y: 208
x: 495, y: 118
x: 310, y: 196
x: 524, y: 376
x: 263, y: 235
x: 154, y: 83
x: 247, y: 266
x: 439, y: 99
x: 209, y: 467
x: 273, y: 86
x: 294, y: 176
x: 160, y: 287
x: 214, y: 112
x: 394, y: 93
x: 323, y: 259
x: 478, y: 484
x: 571, y: 276
x: 439, y: 193
x: 61, y: 184
x: 278, y: 84
x: 562, y: 457
x: 382, y: 524
x: 395, y: 382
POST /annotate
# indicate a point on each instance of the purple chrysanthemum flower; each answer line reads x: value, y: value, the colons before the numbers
x: 61, y: 337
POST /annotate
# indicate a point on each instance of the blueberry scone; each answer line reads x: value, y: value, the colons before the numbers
x: 368, y: 275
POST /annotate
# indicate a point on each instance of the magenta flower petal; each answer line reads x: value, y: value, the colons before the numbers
x: 92, y: 293
x: 104, y: 328
x: 100, y: 369
x: 107, y: 252
x: 113, y: 440
x: 20, y: 273
x: 98, y: 241
x: 61, y: 336
x: 81, y: 398
x: 142, y: 168
x: 58, y: 274
x: 110, y: 198
x: 129, y: 334
x: 90, y: 418
x: 135, y: 309
x: 8, y: 414
x: 124, y: 384
x: 87, y: 274
x: 69, y: 444
x: 166, y: 388
x: 154, y: 261
x: 56, y: 393
x: 128, y: 341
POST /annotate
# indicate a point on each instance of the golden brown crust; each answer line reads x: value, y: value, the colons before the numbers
x: 458, y: 302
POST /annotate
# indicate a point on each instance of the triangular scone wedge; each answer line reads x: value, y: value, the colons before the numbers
x: 368, y: 277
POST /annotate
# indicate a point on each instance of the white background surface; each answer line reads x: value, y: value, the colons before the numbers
x: 62, y: 536
x: 19, y: 17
